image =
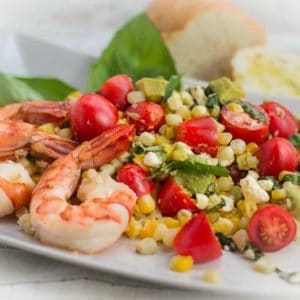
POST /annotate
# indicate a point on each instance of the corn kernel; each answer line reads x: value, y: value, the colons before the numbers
x: 278, y: 194
x: 235, y: 219
x: 211, y: 276
x: 198, y: 94
x: 136, y: 212
x: 234, y: 107
x: 225, y: 156
x: 133, y: 229
x: 136, y: 97
x: 252, y: 148
x: 184, y: 215
x: 124, y: 157
x: 160, y: 230
x: 162, y: 129
x: 223, y: 225
x: 240, y: 239
x: 170, y: 222
x: 244, y: 223
x: 73, y: 96
x: 264, y: 265
x: 147, y: 139
x: 252, y: 162
x: 202, y: 201
x: 146, y: 246
x: 184, y: 112
x: 186, y: 98
x: 215, y: 111
x: 170, y: 132
x: 253, y: 174
x: 48, y: 127
x: 250, y: 207
x: 151, y: 159
x: 242, y: 162
x: 238, y: 146
x: 139, y: 160
x: 225, y: 184
x: 199, y: 111
x: 229, y: 204
x: 266, y: 184
x: 236, y: 192
x: 173, y: 120
x: 169, y: 236
x: 174, y: 102
x: 224, y: 138
x: 180, y: 263
x: 179, y: 154
x: 108, y: 169
x: 149, y: 228
x: 220, y: 127
x: 146, y: 204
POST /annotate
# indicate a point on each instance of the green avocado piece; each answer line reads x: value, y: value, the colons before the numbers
x: 194, y: 183
x: 293, y: 192
x: 154, y: 88
x: 227, y: 90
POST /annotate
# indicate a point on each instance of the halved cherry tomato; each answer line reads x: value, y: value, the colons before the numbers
x: 276, y: 155
x: 197, y: 239
x: 115, y: 89
x: 201, y: 134
x: 136, y: 178
x: 91, y: 115
x: 172, y: 198
x: 242, y: 126
x: 282, y: 121
x: 146, y: 116
x: 271, y: 228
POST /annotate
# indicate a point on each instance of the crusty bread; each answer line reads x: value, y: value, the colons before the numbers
x: 202, y: 35
x: 266, y: 69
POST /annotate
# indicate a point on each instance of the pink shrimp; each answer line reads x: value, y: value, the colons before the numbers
x: 100, y: 220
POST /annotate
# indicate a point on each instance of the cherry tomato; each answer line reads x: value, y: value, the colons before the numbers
x: 91, y: 115
x: 276, y: 155
x: 136, y: 178
x: 271, y: 228
x: 146, y: 116
x: 115, y: 89
x: 242, y: 126
x: 197, y: 239
x: 172, y: 198
x: 200, y: 134
x: 282, y: 121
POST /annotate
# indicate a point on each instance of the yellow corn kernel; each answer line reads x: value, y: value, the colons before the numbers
x: 242, y: 162
x: 136, y: 212
x: 184, y: 112
x: 73, y: 96
x: 235, y: 219
x: 165, y: 143
x: 133, y: 229
x: 215, y: 111
x: 183, y: 216
x: 264, y: 265
x: 139, y: 160
x: 170, y: 132
x: 146, y: 204
x: 244, y: 223
x: 234, y: 107
x: 180, y: 263
x: 252, y: 162
x: 160, y: 230
x: 170, y: 222
x: 223, y: 225
x: 199, y: 111
x: 169, y: 236
x: 278, y: 194
x: 146, y: 246
x: 213, y: 217
x: 149, y: 228
x: 211, y: 276
x: 224, y: 138
x: 250, y: 208
x: 48, y: 127
x: 225, y: 184
x: 179, y: 154
x: 252, y: 148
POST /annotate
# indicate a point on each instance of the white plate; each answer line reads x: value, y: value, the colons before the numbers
x: 39, y: 58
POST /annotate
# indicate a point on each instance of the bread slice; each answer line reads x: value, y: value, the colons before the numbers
x: 202, y: 35
x: 267, y: 69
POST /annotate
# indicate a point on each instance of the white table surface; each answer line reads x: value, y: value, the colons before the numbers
x: 87, y: 26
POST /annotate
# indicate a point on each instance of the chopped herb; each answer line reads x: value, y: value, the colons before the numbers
x: 226, y: 242
x: 295, y: 140
x: 173, y: 85
x: 252, y: 111
x: 139, y: 148
x: 212, y: 101
x: 218, y: 206
x: 211, y: 189
x: 293, y: 178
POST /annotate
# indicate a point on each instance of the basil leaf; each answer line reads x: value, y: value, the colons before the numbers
x: 137, y: 50
x: 173, y: 85
x: 252, y: 111
x: 212, y: 101
x: 295, y: 140
x: 15, y: 89
x: 293, y: 178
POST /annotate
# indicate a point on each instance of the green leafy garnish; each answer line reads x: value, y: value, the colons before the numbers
x: 19, y: 89
x: 173, y: 85
x: 139, y: 148
x: 137, y: 50
x: 257, y: 253
x: 295, y: 140
x: 252, y: 111
x: 212, y: 101
x: 292, y: 177
x: 226, y: 242
x: 218, y: 206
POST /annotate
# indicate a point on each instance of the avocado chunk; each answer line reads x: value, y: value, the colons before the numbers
x: 153, y: 88
x: 293, y: 192
x: 227, y: 90
x: 194, y: 183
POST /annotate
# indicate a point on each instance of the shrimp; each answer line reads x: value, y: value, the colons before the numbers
x: 36, y: 112
x: 18, y: 137
x: 100, y: 220
x: 15, y: 187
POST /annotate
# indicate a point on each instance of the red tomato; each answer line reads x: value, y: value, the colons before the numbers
x: 172, y: 198
x: 91, y: 115
x: 271, y: 228
x: 115, y: 89
x: 282, y: 121
x: 276, y: 155
x: 146, y: 116
x: 136, y: 178
x: 197, y: 239
x: 199, y: 133
x: 242, y: 126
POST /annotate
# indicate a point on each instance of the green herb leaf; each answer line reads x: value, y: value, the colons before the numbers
x: 137, y: 50
x: 139, y: 148
x: 17, y: 89
x: 295, y: 140
x: 218, y: 206
x: 257, y: 253
x: 173, y: 85
x: 293, y: 178
x: 226, y: 242
x: 212, y: 101
x: 252, y: 111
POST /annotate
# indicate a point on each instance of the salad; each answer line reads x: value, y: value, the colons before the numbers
x: 196, y: 170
